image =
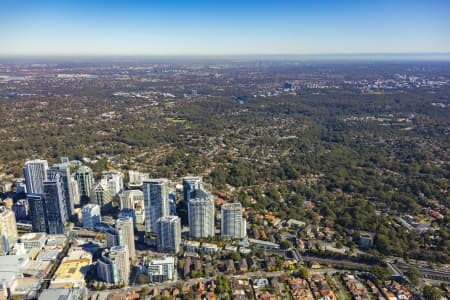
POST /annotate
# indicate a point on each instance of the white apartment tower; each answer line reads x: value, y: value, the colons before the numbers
x: 169, y: 234
x: 201, y: 214
x: 35, y: 173
x: 233, y: 225
x: 121, y: 264
x: 125, y: 226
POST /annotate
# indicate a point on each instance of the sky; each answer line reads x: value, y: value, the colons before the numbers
x: 157, y: 27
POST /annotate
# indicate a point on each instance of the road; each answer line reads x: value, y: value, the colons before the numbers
x: 193, y: 281
x: 340, y: 288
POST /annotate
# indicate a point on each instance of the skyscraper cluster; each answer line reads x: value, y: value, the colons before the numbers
x: 201, y: 214
x: 51, y: 196
x: 51, y: 193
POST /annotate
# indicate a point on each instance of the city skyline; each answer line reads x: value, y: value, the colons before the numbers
x: 226, y: 28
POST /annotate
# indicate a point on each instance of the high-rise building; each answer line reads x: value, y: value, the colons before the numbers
x: 156, y: 202
x: 160, y: 270
x: 128, y: 213
x: 38, y: 212
x: 85, y: 179
x: 121, y: 264
x: 91, y: 215
x: 55, y: 205
x: 201, y: 214
x: 114, y: 181
x: 172, y: 204
x: 169, y: 234
x: 129, y: 198
x: 126, y: 227
x: 35, y: 172
x: 233, y: 225
x: 21, y: 209
x: 64, y: 172
x: 105, y: 269
x: 101, y: 194
x: 73, y: 185
x: 136, y: 178
x: 8, y: 230
x: 114, y: 238
x: 190, y: 185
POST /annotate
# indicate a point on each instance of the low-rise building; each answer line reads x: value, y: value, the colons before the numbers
x: 264, y: 244
x: 70, y: 274
x: 21, y: 276
x: 63, y: 294
x: 230, y: 248
x: 192, y: 246
x: 160, y: 270
x: 34, y: 240
x: 209, y: 248
x: 366, y: 239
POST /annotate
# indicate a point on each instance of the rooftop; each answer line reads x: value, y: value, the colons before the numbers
x: 70, y: 273
x: 33, y: 236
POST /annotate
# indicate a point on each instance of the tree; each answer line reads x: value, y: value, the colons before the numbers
x: 380, y: 272
x: 142, y: 279
x: 235, y: 256
x: 144, y: 292
x: 304, y: 273
x: 285, y: 244
x: 432, y: 293
x: 414, y: 275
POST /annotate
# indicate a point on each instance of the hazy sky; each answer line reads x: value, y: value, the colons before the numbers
x: 157, y: 27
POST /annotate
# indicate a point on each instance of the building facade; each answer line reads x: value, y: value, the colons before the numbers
x: 233, y: 225
x: 91, y: 215
x: 126, y: 227
x: 74, y: 190
x: 21, y: 209
x: 113, y: 238
x: 8, y: 230
x: 38, y: 212
x: 35, y: 173
x: 121, y: 264
x: 191, y: 184
x: 105, y: 269
x: 101, y: 193
x: 85, y: 179
x: 201, y: 214
x: 160, y: 270
x: 129, y: 198
x: 55, y: 205
x: 64, y: 172
x: 156, y: 202
x: 169, y: 234
x: 114, y: 181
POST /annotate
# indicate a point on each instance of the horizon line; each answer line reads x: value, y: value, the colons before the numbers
x: 379, y: 56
